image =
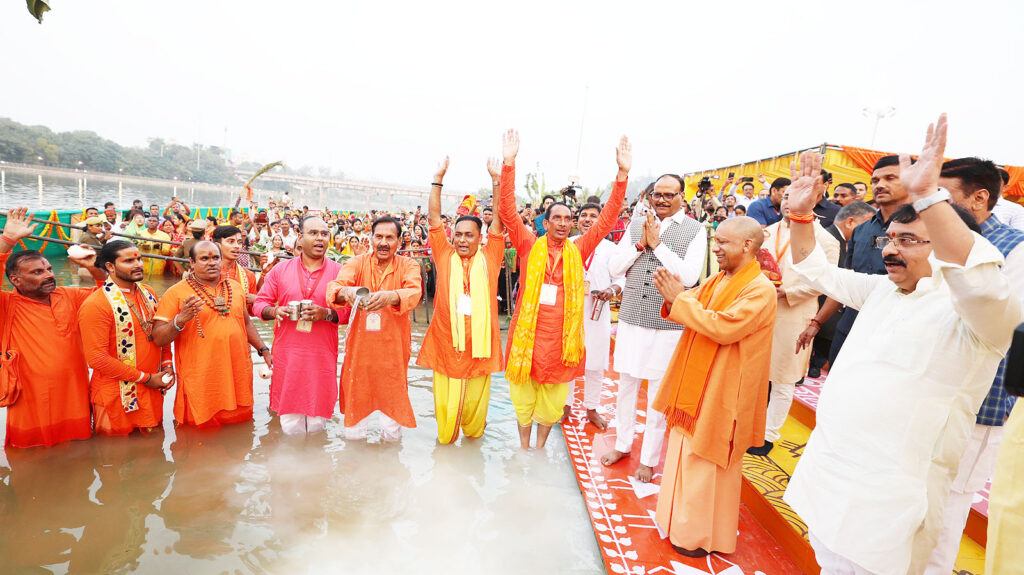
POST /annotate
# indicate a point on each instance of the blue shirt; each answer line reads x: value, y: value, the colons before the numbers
x: 538, y: 224
x: 997, y: 405
x: 861, y: 256
x: 764, y: 212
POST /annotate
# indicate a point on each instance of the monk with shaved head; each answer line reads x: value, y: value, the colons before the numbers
x: 715, y: 390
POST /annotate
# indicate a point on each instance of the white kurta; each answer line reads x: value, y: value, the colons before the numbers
x: 800, y: 305
x: 900, y: 402
x: 598, y: 334
x: 644, y: 352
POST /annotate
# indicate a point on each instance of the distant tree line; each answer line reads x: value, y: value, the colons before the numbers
x: 88, y: 151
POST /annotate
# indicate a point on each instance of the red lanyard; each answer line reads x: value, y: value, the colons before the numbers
x: 586, y: 264
x: 307, y: 294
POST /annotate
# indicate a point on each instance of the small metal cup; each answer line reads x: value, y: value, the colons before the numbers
x: 595, y: 313
x: 293, y: 310
x: 305, y: 325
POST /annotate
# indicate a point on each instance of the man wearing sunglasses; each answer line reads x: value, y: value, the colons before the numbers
x: 666, y: 238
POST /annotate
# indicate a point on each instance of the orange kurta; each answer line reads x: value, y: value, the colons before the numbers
x: 232, y: 273
x: 54, y: 401
x: 99, y: 340
x: 437, y: 352
x: 699, y: 501
x: 374, y: 373
x: 214, y: 373
x: 547, y: 348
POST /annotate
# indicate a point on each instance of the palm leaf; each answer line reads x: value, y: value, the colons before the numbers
x: 37, y: 8
x: 263, y: 170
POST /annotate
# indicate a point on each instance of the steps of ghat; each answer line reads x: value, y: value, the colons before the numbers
x: 766, y: 478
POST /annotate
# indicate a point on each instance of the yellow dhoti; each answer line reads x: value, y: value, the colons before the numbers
x: 538, y: 402
x: 1004, y: 553
x: 699, y: 503
x: 460, y: 404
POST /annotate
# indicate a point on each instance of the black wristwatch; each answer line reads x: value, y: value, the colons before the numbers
x: 263, y: 349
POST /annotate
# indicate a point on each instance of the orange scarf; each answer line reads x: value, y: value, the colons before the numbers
x: 681, y: 400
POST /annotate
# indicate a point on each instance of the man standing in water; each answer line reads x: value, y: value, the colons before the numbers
x: 667, y: 238
x: 379, y: 342
x: 545, y: 342
x: 463, y: 342
x: 303, y: 389
x: 599, y: 286
x: 44, y: 331
x: 714, y: 391
x: 231, y: 242
x: 127, y: 383
x: 204, y: 314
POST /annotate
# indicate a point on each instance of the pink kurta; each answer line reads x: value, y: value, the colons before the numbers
x: 305, y: 364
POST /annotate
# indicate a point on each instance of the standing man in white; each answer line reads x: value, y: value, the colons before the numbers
x: 599, y: 286
x: 665, y: 238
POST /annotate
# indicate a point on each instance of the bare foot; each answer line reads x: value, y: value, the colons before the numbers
x: 566, y: 414
x: 644, y: 474
x: 612, y: 457
x: 598, y: 421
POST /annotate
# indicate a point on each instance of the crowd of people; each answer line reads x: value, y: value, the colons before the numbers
x: 909, y: 300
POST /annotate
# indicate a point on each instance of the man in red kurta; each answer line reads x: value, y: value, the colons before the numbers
x: 552, y: 292
x: 128, y: 369
x: 379, y: 340
x: 40, y: 322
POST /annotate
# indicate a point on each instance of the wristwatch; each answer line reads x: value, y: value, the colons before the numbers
x: 942, y: 195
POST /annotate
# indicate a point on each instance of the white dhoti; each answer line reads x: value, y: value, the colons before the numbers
x: 389, y: 428
x: 641, y: 353
x: 297, y: 423
x: 597, y: 337
x: 976, y: 467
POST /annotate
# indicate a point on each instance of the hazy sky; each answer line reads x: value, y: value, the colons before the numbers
x: 382, y: 90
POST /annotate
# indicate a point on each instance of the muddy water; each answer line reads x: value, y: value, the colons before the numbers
x: 248, y: 499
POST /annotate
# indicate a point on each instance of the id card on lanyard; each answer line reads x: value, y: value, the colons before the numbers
x: 374, y: 319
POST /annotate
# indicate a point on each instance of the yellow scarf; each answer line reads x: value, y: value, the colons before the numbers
x: 520, y: 358
x: 480, y: 318
x: 124, y: 327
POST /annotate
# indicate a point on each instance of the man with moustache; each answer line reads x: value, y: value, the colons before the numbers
x: 666, y: 238
x: 303, y: 388
x: 154, y: 266
x: 463, y: 343
x: 766, y: 210
x: 546, y: 347
x: 379, y: 341
x: 204, y: 315
x: 900, y: 403
x: 127, y: 383
x: 40, y: 331
x: 599, y: 286
x: 845, y: 194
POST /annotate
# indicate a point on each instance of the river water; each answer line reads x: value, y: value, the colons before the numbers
x: 248, y: 499
x: 62, y: 193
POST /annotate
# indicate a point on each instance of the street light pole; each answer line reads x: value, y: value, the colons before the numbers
x: 878, y: 114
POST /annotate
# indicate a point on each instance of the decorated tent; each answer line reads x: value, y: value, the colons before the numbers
x: 847, y: 165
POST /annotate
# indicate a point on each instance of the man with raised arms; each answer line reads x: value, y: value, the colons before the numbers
x: 900, y: 402
x: 545, y: 343
x: 463, y: 342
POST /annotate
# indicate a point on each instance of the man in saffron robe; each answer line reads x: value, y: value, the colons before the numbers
x: 715, y: 390
x: 231, y: 241
x: 545, y: 342
x: 38, y: 320
x: 379, y: 340
x: 463, y: 342
x: 303, y: 388
x: 127, y: 384
x: 204, y: 315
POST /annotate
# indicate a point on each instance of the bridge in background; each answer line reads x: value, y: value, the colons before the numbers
x: 370, y: 194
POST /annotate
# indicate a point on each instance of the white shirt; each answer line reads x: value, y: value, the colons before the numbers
x: 289, y: 240
x: 597, y: 334
x: 899, y: 405
x: 1010, y: 213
